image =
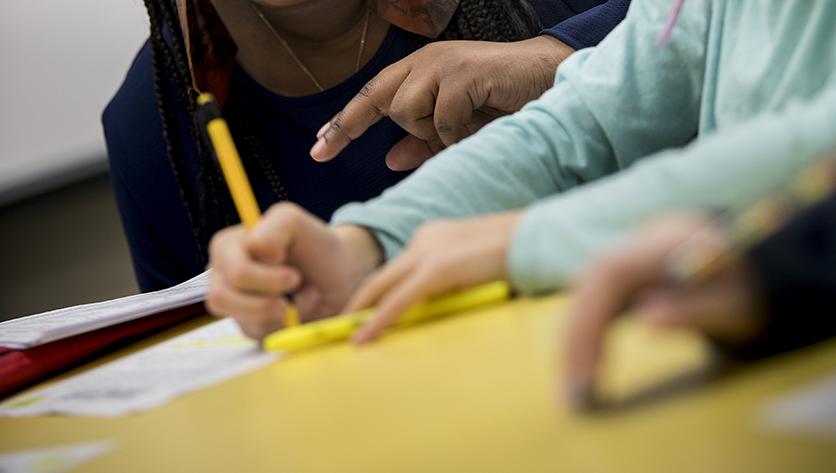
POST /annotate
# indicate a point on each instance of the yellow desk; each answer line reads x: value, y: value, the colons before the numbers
x: 469, y: 393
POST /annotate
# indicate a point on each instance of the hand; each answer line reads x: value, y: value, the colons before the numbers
x: 443, y: 93
x: 289, y: 251
x: 442, y: 256
x: 634, y: 278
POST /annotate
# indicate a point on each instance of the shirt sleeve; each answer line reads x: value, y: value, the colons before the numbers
x: 557, y: 235
x: 590, y: 27
x: 597, y: 119
x: 796, y: 269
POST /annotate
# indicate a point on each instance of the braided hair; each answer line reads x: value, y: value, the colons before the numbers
x: 207, y: 201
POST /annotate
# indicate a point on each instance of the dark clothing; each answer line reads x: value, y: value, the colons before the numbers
x: 796, y: 268
x: 579, y: 24
x: 155, y: 220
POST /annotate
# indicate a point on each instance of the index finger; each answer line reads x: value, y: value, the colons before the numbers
x: 364, y: 110
x: 599, y: 298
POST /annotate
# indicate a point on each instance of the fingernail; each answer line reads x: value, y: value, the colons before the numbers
x: 323, y: 130
x: 318, y: 148
x: 582, y: 396
x: 362, y: 336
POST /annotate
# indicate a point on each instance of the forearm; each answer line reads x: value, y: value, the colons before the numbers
x: 364, y: 251
x: 596, y: 119
x: 556, y: 237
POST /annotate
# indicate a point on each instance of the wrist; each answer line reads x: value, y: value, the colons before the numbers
x: 546, y: 53
x: 361, y: 248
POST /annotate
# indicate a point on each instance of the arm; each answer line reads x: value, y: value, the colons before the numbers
x: 609, y: 107
x: 588, y: 28
x: 155, y: 223
x: 557, y: 235
x: 448, y: 90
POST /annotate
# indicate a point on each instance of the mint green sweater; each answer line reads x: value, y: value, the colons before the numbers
x: 608, y: 146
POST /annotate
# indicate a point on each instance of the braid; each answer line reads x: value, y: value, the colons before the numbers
x: 492, y: 20
x: 161, y: 53
x: 208, y: 205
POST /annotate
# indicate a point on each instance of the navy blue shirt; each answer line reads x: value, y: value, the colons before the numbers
x: 155, y: 220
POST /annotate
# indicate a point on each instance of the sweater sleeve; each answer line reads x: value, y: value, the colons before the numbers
x: 796, y: 269
x: 556, y: 236
x: 609, y: 107
x: 589, y: 27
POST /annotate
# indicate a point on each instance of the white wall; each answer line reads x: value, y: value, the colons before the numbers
x: 60, y: 62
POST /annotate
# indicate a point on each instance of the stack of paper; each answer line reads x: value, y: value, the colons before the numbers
x: 34, y: 330
x: 148, y: 378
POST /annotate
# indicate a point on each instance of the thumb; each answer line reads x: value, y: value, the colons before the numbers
x: 270, y: 240
x: 408, y: 154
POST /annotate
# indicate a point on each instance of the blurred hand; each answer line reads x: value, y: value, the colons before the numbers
x: 289, y: 251
x: 634, y: 277
x: 443, y: 93
x: 442, y: 257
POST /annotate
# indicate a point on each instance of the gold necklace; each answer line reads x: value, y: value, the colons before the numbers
x: 299, y: 61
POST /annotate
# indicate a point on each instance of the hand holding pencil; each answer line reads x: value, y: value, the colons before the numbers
x: 270, y: 273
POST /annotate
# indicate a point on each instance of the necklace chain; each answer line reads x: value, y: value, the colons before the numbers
x: 298, y: 61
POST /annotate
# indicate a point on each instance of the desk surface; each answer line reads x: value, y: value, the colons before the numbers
x: 468, y: 393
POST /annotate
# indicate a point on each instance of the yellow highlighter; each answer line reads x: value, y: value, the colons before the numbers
x: 217, y: 134
x: 339, y: 328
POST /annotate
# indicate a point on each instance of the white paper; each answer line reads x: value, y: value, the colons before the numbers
x: 53, y: 459
x: 149, y: 378
x: 33, y: 330
x: 810, y: 410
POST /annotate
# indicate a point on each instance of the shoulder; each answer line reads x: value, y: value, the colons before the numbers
x: 137, y: 152
x: 131, y: 121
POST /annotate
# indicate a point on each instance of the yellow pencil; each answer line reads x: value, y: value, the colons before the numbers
x: 224, y: 150
x: 314, y: 334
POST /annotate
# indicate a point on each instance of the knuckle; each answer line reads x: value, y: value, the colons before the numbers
x: 265, y: 308
x: 431, y: 49
x: 338, y: 122
x: 401, y: 112
x: 219, y: 241
x: 443, y: 127
x: 236, y: 273
x: 368, y: 89
x: 284, y: 212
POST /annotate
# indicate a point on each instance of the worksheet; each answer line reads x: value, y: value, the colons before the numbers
x: 53, y: 459
x: 33, y: 330
x: 149, y: 378
x: 810, y: 410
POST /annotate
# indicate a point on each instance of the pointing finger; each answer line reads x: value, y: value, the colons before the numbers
x: 364, y: 110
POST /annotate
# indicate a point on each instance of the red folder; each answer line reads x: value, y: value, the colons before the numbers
x: 21, y: 368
